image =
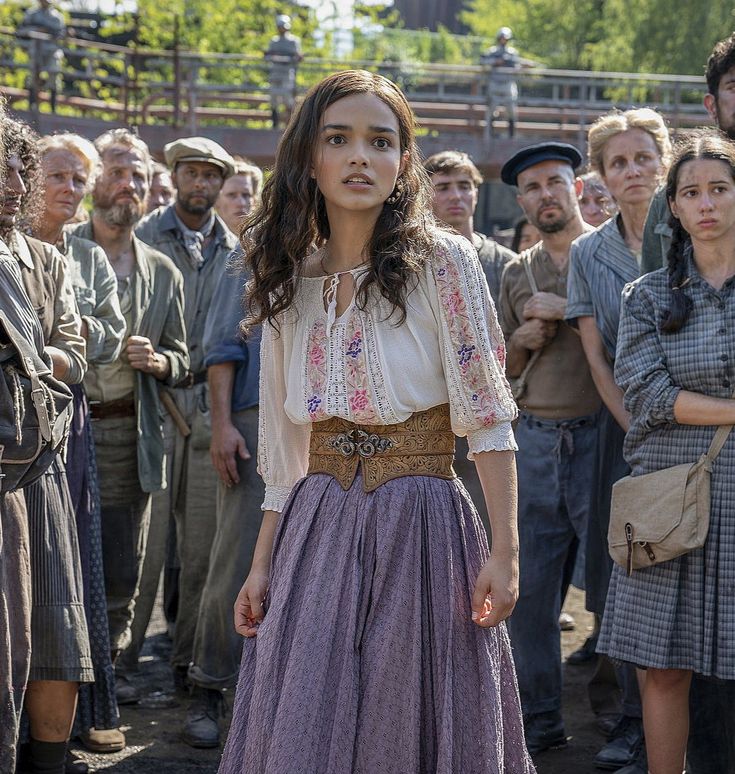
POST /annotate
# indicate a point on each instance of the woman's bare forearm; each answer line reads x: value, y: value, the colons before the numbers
x: 497, y: 473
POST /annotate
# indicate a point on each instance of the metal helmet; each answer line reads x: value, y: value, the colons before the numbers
x: 283, y: 21
x: 504, y: 32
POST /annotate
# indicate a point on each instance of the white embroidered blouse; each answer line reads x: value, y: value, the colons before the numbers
x: 367, y: 369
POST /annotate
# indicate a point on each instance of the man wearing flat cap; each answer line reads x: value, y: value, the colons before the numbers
x: 556, y: 431
x: 198, y: 242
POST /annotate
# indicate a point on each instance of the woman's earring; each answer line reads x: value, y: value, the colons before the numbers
x: 397, y: 192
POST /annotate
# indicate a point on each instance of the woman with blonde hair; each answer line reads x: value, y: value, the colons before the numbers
x: 69, y: 165
x: 630, y: 152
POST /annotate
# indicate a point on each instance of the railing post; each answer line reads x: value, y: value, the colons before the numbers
x: 177, y: 75
x: 191, y: 95
x: 125, y: 89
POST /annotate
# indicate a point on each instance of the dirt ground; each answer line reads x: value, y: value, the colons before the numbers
x: 152, y: 727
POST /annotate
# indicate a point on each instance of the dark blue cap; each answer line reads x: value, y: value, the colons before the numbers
x: 535, y: 154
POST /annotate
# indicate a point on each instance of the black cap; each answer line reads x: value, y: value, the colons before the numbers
x: 535, y: 154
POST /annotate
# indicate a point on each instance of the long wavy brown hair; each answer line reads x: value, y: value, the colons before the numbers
x: 22, y: 141
x: 291, y: 221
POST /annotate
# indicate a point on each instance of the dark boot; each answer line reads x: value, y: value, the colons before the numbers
x: 201, y: 728
x: 74, y: 765
x: 544, y: 731
x: 639, y: 765
x: 46, y: 757
x: 624, y: 745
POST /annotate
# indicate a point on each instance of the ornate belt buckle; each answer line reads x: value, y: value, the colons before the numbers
x: 360, y: 442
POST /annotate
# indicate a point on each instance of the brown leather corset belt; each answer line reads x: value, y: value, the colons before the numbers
x: 423, y: 445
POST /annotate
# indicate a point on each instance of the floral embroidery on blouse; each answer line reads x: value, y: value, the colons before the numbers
x: 464, y: 342
x: 316, y: 366
x: 358, y: 388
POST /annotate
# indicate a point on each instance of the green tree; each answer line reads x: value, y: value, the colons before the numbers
x: 656, y: 36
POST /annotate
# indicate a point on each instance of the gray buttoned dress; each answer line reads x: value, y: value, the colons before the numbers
x: 678, y: 614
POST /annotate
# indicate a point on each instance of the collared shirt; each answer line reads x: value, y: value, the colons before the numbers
x: 559, y: 386
x: 47, y: 283
x: 224, y: 342
x: 493, y: 258
x: 161, y: 231
x: 652, y: 367
x: 95, y: 288
x: 195, y: 239
x: 600, y: 265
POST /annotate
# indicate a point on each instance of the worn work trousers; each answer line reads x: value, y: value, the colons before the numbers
x: 15, y: 621
x: 191, y: 496
x: 217, y: 646
x: 556, y: 464
x: 125, y: 510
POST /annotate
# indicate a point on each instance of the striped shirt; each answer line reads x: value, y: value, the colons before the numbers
x: 600, y: 266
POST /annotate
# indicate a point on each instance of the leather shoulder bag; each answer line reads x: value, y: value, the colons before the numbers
x: 661, y: 515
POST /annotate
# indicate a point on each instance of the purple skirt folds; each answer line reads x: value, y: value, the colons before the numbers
x: 367, y: 661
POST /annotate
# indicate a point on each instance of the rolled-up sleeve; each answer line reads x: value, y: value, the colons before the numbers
x: 640, y: 362
x: 223, y: 341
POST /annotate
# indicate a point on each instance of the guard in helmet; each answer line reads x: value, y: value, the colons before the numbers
x: 502, y: 62
x: 284, y: 54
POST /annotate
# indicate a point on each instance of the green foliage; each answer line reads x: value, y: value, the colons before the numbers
x: 225, y: 26
x: 656, y: 36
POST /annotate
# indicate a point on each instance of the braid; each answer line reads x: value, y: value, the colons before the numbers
x: 681, y: 304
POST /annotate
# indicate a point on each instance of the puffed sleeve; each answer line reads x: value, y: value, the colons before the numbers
x: 473, y: 348
x: 579, y: 296
x: 640, y: 362
x: 283, y: 446
x: 105, y: 323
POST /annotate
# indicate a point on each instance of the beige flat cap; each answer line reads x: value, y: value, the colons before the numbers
x: 199, y: 149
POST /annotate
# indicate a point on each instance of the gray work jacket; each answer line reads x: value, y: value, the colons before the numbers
x: 157, y: 313
x: 160, y: 230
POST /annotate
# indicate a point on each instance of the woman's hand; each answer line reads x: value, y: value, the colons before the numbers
x: 496, y: 590
x: 248, y: 610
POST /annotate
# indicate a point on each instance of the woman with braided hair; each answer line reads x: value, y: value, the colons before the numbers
x: 675, y: 355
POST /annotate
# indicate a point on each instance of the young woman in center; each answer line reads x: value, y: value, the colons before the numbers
x: 373, y: 609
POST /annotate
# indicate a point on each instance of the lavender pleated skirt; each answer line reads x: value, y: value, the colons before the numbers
x: 367, y: 661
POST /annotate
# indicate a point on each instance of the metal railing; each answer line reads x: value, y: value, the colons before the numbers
x: 189, y: 90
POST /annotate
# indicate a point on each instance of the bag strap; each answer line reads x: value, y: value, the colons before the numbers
x: 531, y: 362
x: 27, y: 363
x: 529, y: 274
x: 723, y: 431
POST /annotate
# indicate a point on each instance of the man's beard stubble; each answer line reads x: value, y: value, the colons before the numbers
x: 125, y: 214
x: 195, y: 209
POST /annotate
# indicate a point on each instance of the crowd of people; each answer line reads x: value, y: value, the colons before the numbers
x: 311, y: 452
